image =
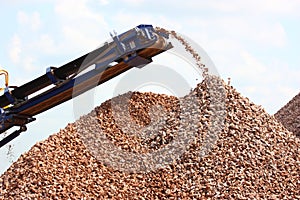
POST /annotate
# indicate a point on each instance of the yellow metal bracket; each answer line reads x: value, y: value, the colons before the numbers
x: 5, y: 73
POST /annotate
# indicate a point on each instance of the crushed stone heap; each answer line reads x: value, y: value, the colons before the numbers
x: 289, y: 115
x: 254, y: 156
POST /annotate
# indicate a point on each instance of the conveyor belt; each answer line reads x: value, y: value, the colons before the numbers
x: 83, y: 83
x: 134, y: 48
x: 66, y: 70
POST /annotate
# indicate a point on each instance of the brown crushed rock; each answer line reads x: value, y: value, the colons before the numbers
x: 253, y: 157
x: 289, y: 115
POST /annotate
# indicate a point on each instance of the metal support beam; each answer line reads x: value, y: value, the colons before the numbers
x: 12, y: 136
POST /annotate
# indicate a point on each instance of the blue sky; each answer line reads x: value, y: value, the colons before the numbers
x: 255, y: 43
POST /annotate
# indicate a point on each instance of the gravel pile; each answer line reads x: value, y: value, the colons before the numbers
x: 211, y: 144
x: 253, y: 156
x: 289, y: 115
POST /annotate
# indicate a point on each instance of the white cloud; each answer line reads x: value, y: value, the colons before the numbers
x: 70, y: 11
x: 20, y: 57
x: 45, y: 44
x: 251, y: 66
x: 80, y: 40
x: 22, y: 17
x: 288, y: 92
x: 15, y: 49
x: 83, y: 29
x: 263, y: 32
x: 273, y: 6
x: 29, y: 64
x: 272, y: 35
x: 31, y: 20
x: 35, y: 21
x: 253, y: 7
x: 104, y: 2
x: 251, y: 89
x: 133, y: 2
x: 129, y: 20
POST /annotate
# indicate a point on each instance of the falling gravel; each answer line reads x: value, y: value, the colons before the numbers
x: 254, y: 156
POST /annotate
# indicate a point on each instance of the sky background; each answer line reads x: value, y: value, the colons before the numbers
x: 254, y: 42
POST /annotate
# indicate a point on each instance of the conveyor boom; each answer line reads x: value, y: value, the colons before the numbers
x: 134, y: 48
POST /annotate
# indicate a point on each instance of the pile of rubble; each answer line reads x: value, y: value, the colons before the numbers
x: 289, y: 115
x: 253, y: 155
